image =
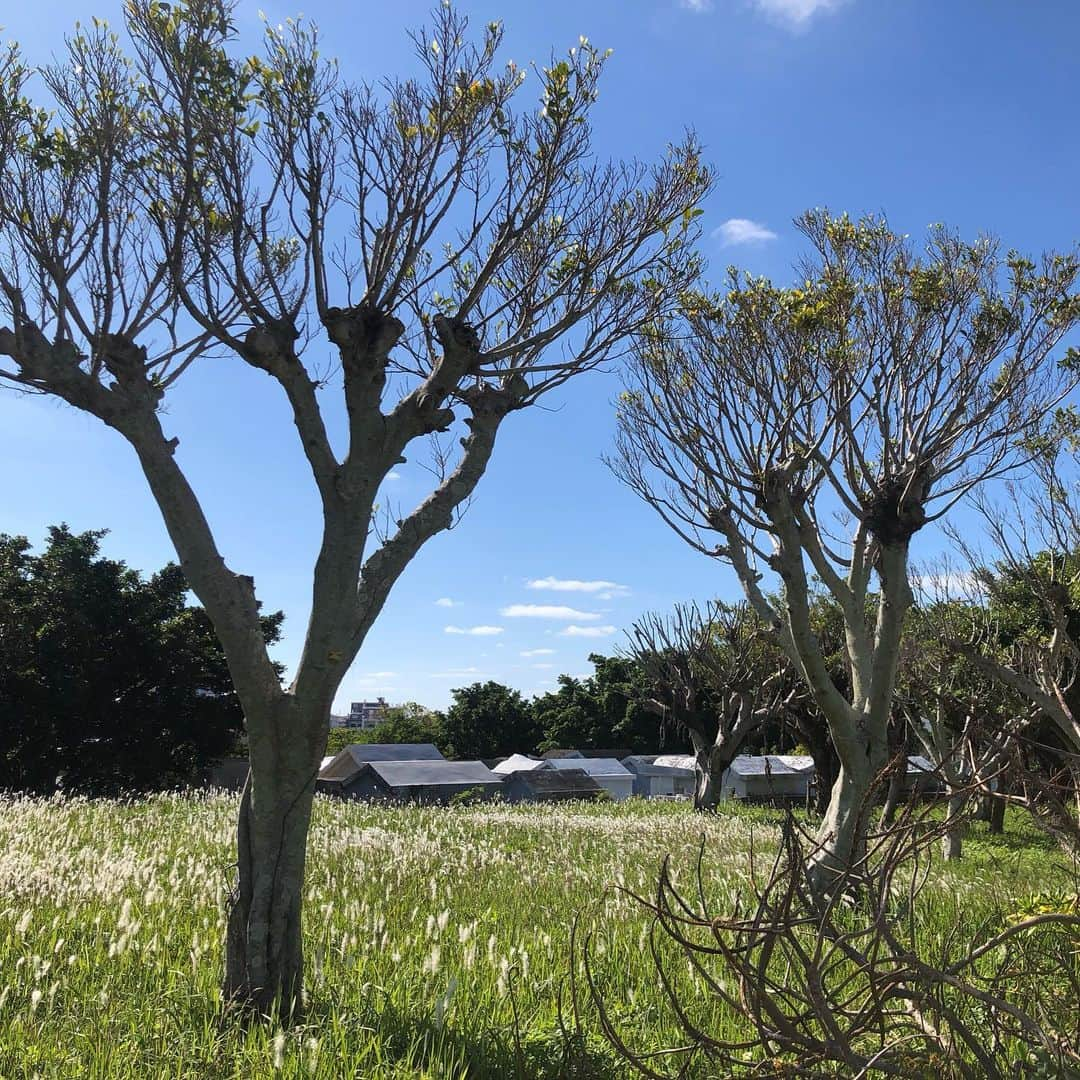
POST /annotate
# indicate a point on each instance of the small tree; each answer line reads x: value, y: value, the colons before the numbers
x: 459, y: 258
x: 768, y: 422
x: 713, y: 677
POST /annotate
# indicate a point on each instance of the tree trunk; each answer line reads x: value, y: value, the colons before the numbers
x: 707, y: 789
x: 996, y: 815
x: 894, y: 793
x: 263, y: 949
x: 952, y: 841
x: 841, y: 839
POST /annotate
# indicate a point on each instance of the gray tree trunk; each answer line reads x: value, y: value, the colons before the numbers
x: 952, y: 842
x: 263, y: 946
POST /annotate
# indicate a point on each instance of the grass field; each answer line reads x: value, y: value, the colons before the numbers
x: 437, y: 939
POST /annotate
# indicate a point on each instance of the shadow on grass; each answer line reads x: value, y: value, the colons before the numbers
x: 404, y: 1038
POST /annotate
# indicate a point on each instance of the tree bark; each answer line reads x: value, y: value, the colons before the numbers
x: 264, y: 948
x: 952, y: 841
x: 996, y: 815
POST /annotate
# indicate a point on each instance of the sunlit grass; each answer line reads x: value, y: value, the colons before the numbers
x: 437, y: 938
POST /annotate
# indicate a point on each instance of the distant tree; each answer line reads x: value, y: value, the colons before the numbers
x: 400, y: 258
x: 488, y: 720
x: 714, y: 676
x: 602, y: 711
x: 109, y: 682
x: 815, y: 430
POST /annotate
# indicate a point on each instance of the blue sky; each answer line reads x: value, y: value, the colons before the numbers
x: 960, y: 112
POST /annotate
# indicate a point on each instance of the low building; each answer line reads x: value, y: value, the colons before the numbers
x: 616, y: 780
x: 658, y: 776
x: 781, y: 777
x: 342, y: 765
x: 554, y: 755
x: 550, y: 785
x: 414, y: 781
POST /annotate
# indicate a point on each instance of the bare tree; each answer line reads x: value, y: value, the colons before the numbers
x: 814, y: 988
x: 1023, y: 628
x: 816, y: 430
x: 460, y: 258
x: 712, y: 676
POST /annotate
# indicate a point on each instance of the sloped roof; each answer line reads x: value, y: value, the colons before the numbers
x: 675, y: 761
x: 916, y: 763
x: 554, y: 755
x: 657, y: 765
x: 402, y: 774
x: 557, y: 782
x: 348, y: 763
x: 520, y: 763
x: 593, y: 766
x: 745, y: 765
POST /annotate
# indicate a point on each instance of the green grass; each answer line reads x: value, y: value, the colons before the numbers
x: 428, y: 930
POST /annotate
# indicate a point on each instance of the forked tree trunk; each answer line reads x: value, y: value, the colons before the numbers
x: 264, y: 956
x: 711, y: 761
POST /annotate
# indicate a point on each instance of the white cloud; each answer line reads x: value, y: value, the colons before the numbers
x: 445, y: 601
x: 587, y: 631
x: 739, y: 230
x: 537, y: 652
x: 393, y: 476
x: 795, y: 13
x: 602, y: 590
x: 474, y: 631
x: 949, y: 584
x: 698, y: 7
x: 455, y: 673
x: 546, y: 611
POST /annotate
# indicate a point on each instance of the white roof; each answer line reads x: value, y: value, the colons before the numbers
x: 325, y: 761
x: 674, y: 761
x: 520, y: 763
x: 746, y: 765
x: 603, y: 766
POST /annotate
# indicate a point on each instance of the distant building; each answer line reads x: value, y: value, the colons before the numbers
x: 366, y: 714
x: 412, y: 781
x: 617, y: 781
x: 550, y: 785
x: 662, y: 776
x: 769, y: 777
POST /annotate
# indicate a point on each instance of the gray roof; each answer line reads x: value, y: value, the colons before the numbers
x: 660, y: 764
x: 592, y: 766
x: 349, y: 762
x: 401, y: 774
x: 916, y: 763
x: 557, y: 782
x: 553, y: 755
x: 745, y: 765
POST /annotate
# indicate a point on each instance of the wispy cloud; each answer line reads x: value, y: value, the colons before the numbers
x: 537, y: 652
x: 455, y: 673
x: 796, y: 13
x: 602, y: 590
x: 375, y: 677
x: 698, y: 7
x: 393, y: 476
x: 587, y: 631
x: 738, y: 230
x: 445, y: 601
x: 546, y: 611
x: 474, y: 631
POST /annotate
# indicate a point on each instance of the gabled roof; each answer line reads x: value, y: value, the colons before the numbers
x: 557, y: 782
x: 675, y: 761
x: 593, y: 766
x: 660, y: 764
x: 520, y: 763
x: 403, y: 774
x: 554, y: 755
x: 348, y: 763
x: 776, y: 764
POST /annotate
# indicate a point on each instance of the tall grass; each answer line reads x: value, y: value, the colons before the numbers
x: 437, y: 938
